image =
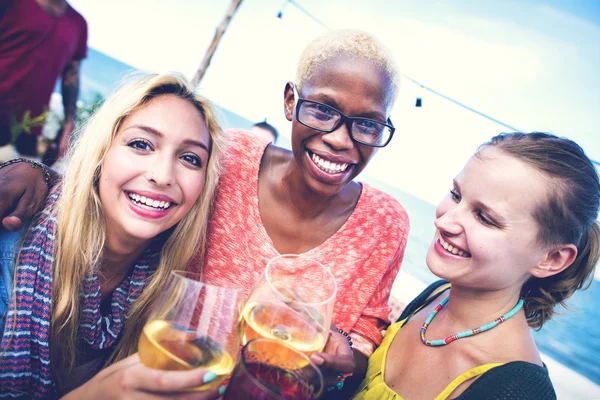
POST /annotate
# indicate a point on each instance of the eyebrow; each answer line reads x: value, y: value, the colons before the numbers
x: 158, y: 133
x: 323, y: 98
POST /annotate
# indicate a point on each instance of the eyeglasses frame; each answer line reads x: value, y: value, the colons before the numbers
x: 344, y: 119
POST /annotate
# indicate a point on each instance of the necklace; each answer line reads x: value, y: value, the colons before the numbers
x: 464, y: 334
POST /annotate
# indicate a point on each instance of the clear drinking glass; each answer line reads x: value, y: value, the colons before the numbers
x: 271, y: 370
x: 292, y: 302
x: 193, y: 325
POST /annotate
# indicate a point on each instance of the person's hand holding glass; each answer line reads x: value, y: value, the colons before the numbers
x: 292, y: 303
x: 193, y: 325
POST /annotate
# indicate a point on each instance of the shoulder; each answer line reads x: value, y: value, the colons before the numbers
x: 383, y: 206
x: 515, y: 380
x: 242, y: 144
x: 430, y: 293
x: 76, y: 16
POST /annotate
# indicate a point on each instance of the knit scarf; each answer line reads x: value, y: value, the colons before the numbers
x: 25, y: 364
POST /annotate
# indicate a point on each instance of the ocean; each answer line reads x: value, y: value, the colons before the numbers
x: 572, y: 338
x: 101, y: 73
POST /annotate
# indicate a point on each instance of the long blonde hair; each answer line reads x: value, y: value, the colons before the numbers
x: 81, y: 234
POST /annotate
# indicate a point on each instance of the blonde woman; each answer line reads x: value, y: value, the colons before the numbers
x: 272, y: 201
x: 133, y: 206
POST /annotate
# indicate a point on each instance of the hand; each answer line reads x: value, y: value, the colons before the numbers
x: 22, y: 193
x: 67, y: 130
x: 337, y: 358
x: 130, y: 379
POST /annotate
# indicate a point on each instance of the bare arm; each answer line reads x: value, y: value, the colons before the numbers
x: 70, y: 89
x: 22, y: 192
x: 70, y: 93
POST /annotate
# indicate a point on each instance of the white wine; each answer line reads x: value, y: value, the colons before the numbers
x: 164, y: 345
x: 300, y: 330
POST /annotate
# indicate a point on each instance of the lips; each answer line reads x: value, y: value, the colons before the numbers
x: 453, y: 248
x: 329, y: 169
x: 150, y: 205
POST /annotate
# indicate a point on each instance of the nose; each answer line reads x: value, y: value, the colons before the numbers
x: 449, y: 220
x: 340, y: 139
x: 161, y: 171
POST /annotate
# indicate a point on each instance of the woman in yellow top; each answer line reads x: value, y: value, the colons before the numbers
x: 516, y: 236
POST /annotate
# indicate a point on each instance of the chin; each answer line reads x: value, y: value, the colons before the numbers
x: 143, y: 232
x: 436, y: 265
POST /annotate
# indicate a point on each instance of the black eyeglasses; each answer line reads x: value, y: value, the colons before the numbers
x: 327, y: 119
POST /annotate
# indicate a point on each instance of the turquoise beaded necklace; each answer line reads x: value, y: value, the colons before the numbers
x: 464, y: 334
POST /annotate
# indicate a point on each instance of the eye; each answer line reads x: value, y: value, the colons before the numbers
x: 455, y: 195
x: 140, y: 144
x: 479, y: 215
x: 324, y: 109
x: 319, y: 111
x: 192, y: 159
x: 368, y: 127
x: 364, y: 123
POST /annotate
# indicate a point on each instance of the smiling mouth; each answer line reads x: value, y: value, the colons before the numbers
x: 328, y: 166
x: 454, y: 250
x: 148, y: 202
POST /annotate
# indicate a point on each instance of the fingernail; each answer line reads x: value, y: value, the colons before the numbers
x: 317, y: 359
x: 222, y: 390
x: 209, y: 377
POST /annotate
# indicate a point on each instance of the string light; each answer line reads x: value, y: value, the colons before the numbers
x: 419, y: 101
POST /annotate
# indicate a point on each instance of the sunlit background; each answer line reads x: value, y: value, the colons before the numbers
x: 528, y: 65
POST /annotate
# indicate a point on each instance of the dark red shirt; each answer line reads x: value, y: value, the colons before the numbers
x: 35, y: 47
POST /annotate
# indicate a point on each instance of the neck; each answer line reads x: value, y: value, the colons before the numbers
x: 119, y: 255
x: 469, y: 308
x: 54, y: 3
x: 53, y: 7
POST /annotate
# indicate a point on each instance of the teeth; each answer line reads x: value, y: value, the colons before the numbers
x: 149, y: 202
x: 453, y: 250
x: 328, y: 166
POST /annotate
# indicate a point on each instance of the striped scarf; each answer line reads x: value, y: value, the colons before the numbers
x: 25, y: 365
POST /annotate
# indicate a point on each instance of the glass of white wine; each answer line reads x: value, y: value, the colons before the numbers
x: 292, y: 302
x: 193, y: 325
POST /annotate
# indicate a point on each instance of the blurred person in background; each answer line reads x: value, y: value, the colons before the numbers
x: 40, y: 40
x: 265, y: 131
x: 133, y: 207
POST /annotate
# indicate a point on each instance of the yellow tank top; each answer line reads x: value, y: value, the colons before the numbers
x: 373, y: 387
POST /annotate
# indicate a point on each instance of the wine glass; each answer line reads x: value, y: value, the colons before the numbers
x: 292, y: 302
x: 271, y: 370
x: 193, y: 325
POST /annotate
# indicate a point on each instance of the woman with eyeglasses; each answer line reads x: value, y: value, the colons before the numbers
x: 272, y: 201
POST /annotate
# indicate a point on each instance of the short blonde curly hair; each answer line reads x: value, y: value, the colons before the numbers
x: 354, y: 43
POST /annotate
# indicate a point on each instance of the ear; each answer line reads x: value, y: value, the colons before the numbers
x: 556, y: 260
x: 289, y: 101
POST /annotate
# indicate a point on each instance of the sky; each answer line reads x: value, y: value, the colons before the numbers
x: 530, y: 64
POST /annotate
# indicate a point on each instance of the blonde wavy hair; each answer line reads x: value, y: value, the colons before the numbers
x: 81, y: 234
x: 352, y: 43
